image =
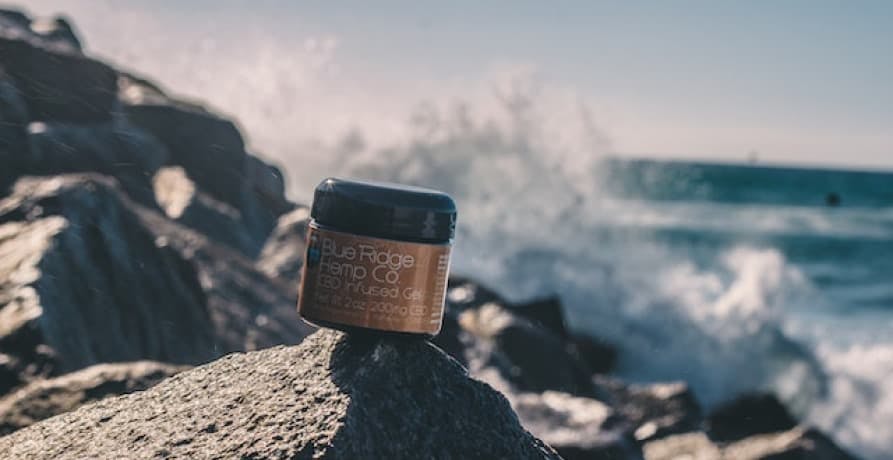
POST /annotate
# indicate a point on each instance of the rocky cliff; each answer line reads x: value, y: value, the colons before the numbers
x: 135, y: 226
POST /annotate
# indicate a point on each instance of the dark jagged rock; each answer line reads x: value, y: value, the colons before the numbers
x: 13, y: 132
x: 249, y: 309
x: 83, y: 276
x: 599, y: 356
x: 45, y: 398
x: 268, y: 183
x: 15, y: 18
x: 653, y: 411
x: 210, y: 149
x: 611, y: 418
x: 98, y: 278
x: 546, y: 312
x: 748, y: 415
x: 206, y: 145
x: 44, y: 32
x: 529, y: 357
x: 588, y: 354
x: 577, y: 428
x: 57, y: 82
x: 57, y: 30
x: 186, y: 204
x: 334, y: 396
x: 114, y: 148
x: 545, y: 382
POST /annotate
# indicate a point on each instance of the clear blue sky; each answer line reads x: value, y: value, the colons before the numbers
x: 803, y: 82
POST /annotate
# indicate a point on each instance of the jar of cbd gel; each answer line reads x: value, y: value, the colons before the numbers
x: 377, y: 258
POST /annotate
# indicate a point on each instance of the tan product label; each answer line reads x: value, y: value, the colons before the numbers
x: 373, y: 283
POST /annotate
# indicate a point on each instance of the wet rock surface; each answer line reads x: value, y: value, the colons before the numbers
x: 333, y: 396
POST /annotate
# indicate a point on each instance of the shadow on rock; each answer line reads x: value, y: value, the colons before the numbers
x: 408, y: 398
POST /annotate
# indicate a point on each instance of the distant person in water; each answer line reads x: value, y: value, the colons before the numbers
x: 832, y: 199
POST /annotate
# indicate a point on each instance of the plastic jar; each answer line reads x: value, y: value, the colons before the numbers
x: 377, y: 257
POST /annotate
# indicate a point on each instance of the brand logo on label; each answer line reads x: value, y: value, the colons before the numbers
x: 373, y: 282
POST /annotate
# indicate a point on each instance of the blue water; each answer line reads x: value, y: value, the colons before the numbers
x: 733, y: 278
x: 834, y: 314
x: 846, y: 250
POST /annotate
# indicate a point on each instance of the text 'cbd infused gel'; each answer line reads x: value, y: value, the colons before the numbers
x: 378, y: 257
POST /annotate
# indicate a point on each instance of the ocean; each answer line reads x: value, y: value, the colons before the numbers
x: 733, y: 278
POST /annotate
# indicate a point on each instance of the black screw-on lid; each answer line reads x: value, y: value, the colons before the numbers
x: 384, y: 210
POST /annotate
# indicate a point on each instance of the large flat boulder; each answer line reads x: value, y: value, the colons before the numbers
x: 334, y: 396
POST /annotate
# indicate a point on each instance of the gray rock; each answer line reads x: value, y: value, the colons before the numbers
x: 548, y: 313
x: 266, y: 181
x: 545, y: 382
x: 577, y: 428
x: 96, y: 278
x: 57, y: 30
x: 206, y: 145
x: 334, y: 396
x: 115, y: 148
x: 82, y: 275
x: 54, y: 32
x: 57, y: 81
x: 529, y: 357
x: 599, y: 356
x: 211, y: 151
x: 798, y: 443
x: 748, y: 415
x: 183, y: 202
x: 46, y: 398
x: 545, y: 312
x: 653, y: 411
x: 694, y: 446
x: 13, y: 133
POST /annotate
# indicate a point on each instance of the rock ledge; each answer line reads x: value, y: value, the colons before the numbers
x: 333, y: 396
